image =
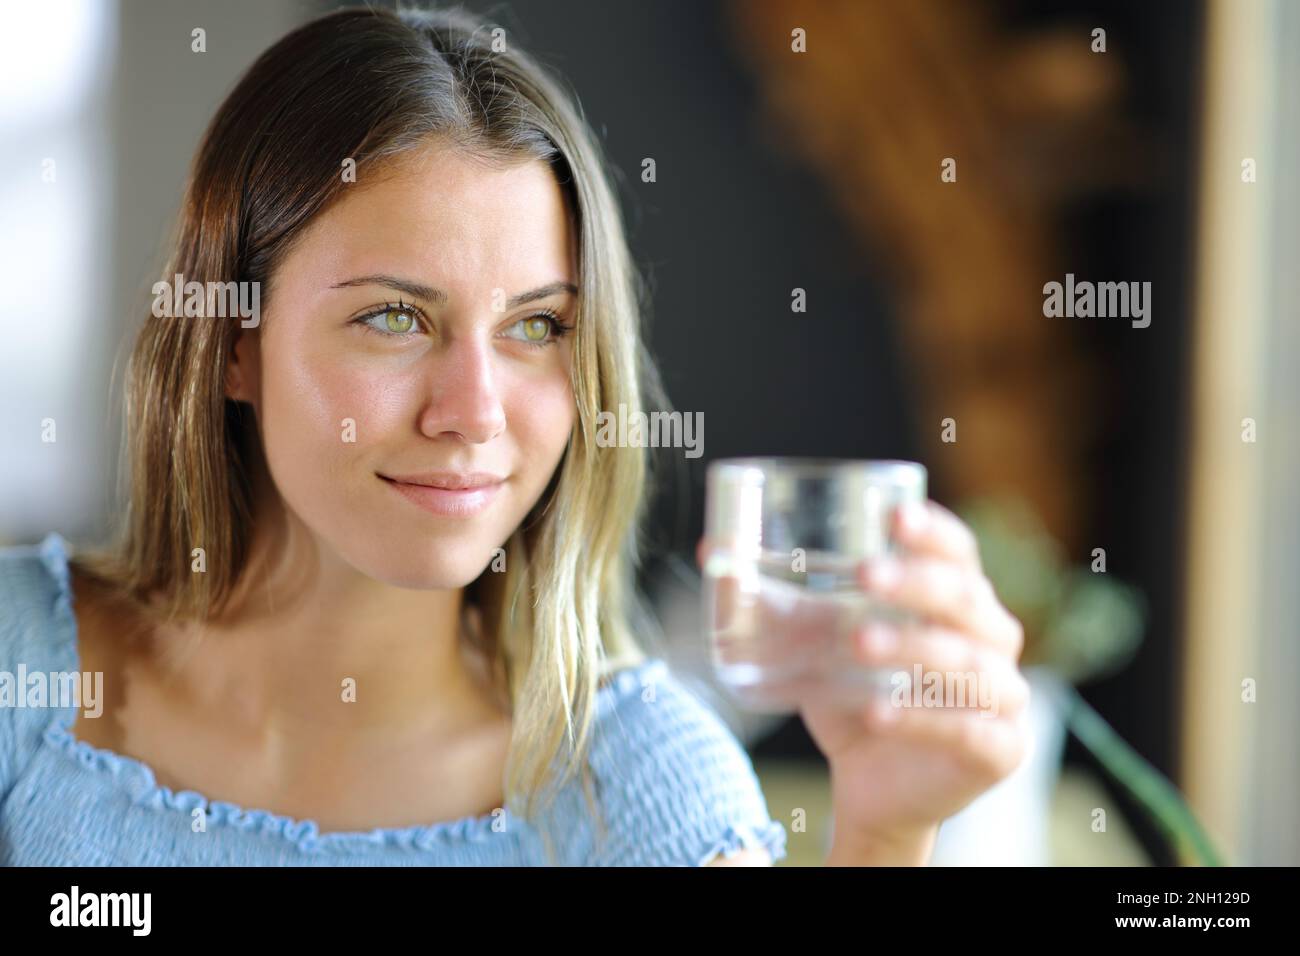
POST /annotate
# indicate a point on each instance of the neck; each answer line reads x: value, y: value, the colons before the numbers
x: 310, y: 647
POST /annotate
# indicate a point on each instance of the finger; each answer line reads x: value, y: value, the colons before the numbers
x: 947, y: 665
x: 989, y: 748
x: 950, y: 594
x: 929, y: 529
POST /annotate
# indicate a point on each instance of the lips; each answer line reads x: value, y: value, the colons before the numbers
x: 451, y: 480
x: 448, y: 494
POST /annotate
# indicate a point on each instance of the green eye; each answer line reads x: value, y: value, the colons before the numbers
x: 540, y: 330
x: 397, y: 321
x: 537, y: 328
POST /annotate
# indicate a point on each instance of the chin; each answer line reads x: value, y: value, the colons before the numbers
x: 426, y: 563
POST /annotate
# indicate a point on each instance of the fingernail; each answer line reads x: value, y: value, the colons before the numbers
x: 880, y: 639
x: 913, y: 517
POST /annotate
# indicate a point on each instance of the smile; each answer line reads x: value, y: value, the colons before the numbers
x: 446, y: 502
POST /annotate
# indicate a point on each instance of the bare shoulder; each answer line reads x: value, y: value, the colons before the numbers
x: 90, y: 608
x: 107, y: 625
x: 109, y: 630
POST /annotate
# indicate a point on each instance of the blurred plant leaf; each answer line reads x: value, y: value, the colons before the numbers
x: 1083, y: 624
x: 1096, y: 628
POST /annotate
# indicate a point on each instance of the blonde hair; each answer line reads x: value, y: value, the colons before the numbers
x: 372, y: 85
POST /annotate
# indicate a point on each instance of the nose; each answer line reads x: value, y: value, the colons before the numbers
x: 464, y: 398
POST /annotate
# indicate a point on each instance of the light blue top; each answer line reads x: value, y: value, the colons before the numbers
x: 675, y: 785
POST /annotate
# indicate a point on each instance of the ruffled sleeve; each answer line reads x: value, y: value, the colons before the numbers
x: 36, y: 636
x: 675, y: 786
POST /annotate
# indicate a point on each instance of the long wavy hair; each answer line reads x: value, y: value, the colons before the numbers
x: 370, y: 85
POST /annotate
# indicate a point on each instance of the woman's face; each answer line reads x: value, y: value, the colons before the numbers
x: 416, y: 330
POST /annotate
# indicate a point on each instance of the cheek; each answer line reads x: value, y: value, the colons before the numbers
x: 541, y: 418
x: 320, y: 411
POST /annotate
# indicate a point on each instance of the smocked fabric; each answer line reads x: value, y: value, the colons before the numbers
x: 673, y: 784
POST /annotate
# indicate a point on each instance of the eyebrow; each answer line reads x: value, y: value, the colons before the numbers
x: 430, y: 294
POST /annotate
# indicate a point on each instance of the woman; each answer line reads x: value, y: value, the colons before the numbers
x: 375, y: 571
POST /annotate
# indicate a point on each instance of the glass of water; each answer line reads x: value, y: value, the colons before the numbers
x: 784, y: 540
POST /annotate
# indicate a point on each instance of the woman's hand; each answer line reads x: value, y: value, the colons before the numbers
x: 898, y: 770
x: 901, y: 764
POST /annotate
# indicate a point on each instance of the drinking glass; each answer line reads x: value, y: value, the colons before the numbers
x: 782, y: 598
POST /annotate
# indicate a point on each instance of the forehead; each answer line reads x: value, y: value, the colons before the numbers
x: 438, y: 213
